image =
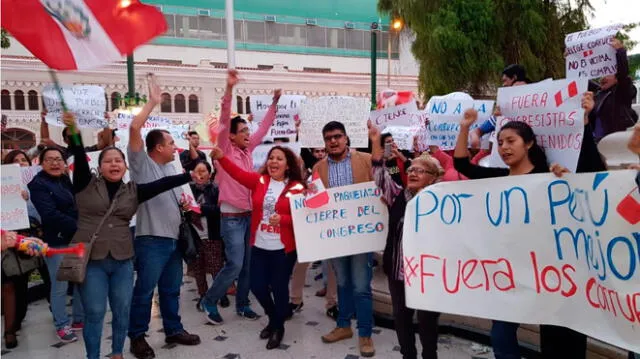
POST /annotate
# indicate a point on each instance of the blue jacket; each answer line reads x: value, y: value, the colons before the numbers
x: 53, y: 198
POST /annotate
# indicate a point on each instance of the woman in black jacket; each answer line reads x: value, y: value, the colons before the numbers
x: 52, y: 195
x: 207, y: 225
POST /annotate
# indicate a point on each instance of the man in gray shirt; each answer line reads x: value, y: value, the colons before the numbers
x: 158, y: 259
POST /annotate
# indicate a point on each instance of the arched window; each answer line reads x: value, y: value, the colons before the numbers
x: 165, y: 105
x: 115, y: 100
x: 18, y: 98
x: 240, y: 104
x: 32, y: 99
x: 193, y: 104
x: 13, y: 138
x: 6, y: 100
x: 248, y: 104
x: 179, y: 104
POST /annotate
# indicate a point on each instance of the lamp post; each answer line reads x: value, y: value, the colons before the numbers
x: 132, y: 100
x: 374, y: 55
x: 396, y: 26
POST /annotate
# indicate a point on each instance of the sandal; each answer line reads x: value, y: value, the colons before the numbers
x: 10, y: 340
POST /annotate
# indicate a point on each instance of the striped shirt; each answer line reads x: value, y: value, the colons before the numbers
x: 340, y: 172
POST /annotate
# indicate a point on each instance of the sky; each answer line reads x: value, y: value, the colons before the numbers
x: 609, y: 12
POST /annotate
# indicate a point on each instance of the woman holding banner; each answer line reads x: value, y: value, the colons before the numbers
x: 105, y: 207
x: 273, y: 247
x: 422, y: 172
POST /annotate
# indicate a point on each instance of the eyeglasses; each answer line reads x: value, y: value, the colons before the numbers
x: 418, y: 171
x: 53, y: 160
x: 336, y: 137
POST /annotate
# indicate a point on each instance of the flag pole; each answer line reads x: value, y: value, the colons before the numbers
x: 58, y: 88
x: 231, y: 43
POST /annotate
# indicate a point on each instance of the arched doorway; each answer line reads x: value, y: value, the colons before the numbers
x: 17, y: 138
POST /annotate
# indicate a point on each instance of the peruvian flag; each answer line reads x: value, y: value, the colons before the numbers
x: 81, y: 34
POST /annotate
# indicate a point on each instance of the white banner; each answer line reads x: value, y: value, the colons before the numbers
x: 178, y: 132
x: 14, y: 207
x: 288, y: 109
x: 444, y: 119
x: 259, y: 153
x: 400, y: 115
x: 317, y: 112
x: 87, y: 103
x: 590, y: 54
x: 403, y: 136
x: 354, y: 221
x: 531, y: 249
x: 553, y: 110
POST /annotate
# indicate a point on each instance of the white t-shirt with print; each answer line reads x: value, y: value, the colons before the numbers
x: 268, y: 236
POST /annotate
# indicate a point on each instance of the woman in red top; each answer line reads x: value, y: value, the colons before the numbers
x: 273, y: 251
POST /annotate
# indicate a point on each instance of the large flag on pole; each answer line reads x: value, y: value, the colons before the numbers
x: 81, y: 34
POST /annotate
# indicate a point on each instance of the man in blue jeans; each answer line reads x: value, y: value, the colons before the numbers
x: 344, y: 167
x: 158, y: 260
x: 237, y: 143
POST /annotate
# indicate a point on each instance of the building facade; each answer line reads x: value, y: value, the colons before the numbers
x: 307, y: 48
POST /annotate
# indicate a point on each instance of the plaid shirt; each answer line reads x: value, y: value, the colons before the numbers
x: 340, y: 173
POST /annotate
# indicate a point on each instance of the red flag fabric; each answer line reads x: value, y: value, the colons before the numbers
x: 81, y: 34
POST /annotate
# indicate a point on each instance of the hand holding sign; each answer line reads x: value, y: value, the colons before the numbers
x: 587, y: 104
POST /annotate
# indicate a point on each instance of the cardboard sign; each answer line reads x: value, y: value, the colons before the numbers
x: 400, y: 115
x: 590, y: 54
x: 531, y: 249
x: 354, y: 221
x: 260, y: 152
x: 445, y: 115
x: 553, y: 110
x: 352, y: 112
x: 288, y: 109
x: 87, y: 103
x: 14, y: 207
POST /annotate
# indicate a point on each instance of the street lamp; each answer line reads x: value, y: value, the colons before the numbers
x: 132, y: 101
x: 374, y: 55
x: 396, y: 26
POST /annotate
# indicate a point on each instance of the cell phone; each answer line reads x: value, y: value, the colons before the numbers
x: 387, y: 149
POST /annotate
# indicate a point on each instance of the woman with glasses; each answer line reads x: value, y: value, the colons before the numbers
x: 422, y: 172
x: 52, y: 195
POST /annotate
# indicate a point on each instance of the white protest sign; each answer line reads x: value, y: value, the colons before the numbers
x: 87, y: 103
x: 288, y: 109
x: 400, y: 115
x: 178, y: 132
x: 445, y: 115
x: 590, y: 54
x: 352, y: 112
x: 354, y: 221
x: 541, y: 250
x: 27, y: 173
x: 553, y: 109
x: 259, y: 153
x: 403, y: 136
x: 14, y: 207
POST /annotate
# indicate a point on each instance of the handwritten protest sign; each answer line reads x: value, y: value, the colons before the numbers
x: 401, y: 115
x: 260, y: 152
x: 187, y: 194
x: 288, y: 109
x: 354, y: 221
x: 317, y: 112
x: 27, y: 173
x: 590, y: 54
x: 444, y: 119
x: 14, y: 207
x: 530, y: 249
x: 87, y: 103
x: 178, y: 132
x: 553, y: 110
x: 403, y: 136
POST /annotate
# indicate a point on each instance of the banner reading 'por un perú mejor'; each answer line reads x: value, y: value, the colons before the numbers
x: 530, y: 249
x: 353, y: 221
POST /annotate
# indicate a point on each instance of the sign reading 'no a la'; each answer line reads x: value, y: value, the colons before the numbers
x: 354, y: 221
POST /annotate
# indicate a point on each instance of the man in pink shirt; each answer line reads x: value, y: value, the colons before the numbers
x: 237, y: 144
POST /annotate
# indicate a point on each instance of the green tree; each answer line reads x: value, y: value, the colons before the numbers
x: 634, y: 65
x: 464, y: 44
x: 5, y: 40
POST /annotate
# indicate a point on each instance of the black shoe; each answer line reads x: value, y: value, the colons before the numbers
x: 224, y: 302
x: 275, y: 339
x: 141, y: 349
x: 10, y: 340
x: 183, y: 338
x: 296, y: 307
x: 333, y: 312
x: 266, y: 333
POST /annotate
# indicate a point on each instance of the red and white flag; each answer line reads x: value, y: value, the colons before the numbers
x: 81, y: 34
x: 566, y: 93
